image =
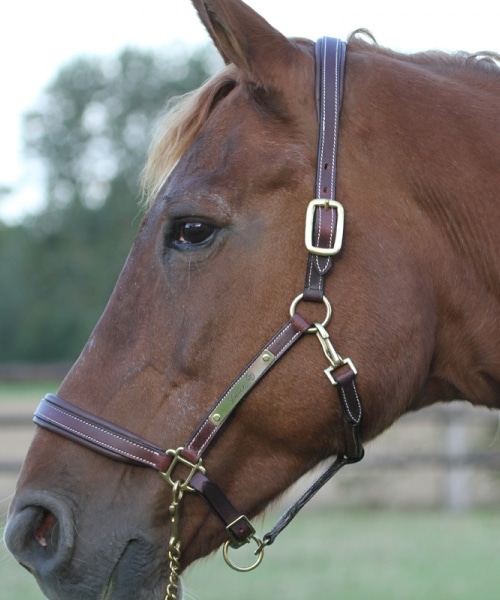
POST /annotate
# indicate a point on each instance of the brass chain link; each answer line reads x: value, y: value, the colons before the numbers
x: 174, y: 544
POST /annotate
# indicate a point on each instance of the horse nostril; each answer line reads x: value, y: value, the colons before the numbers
x: 40, y: 537
x: 46, y: 529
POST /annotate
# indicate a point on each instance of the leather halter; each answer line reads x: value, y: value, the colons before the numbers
x: 324, y: 229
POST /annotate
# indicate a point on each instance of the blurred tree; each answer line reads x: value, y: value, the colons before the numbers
x: 90, y: 131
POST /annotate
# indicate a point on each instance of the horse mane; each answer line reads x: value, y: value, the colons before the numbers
x: 482, y: 63
x: 184, y: 116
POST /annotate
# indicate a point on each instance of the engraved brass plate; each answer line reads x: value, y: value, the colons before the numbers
x: 241, y: 387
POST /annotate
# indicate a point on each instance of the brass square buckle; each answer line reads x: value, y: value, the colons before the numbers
x: 243, y: 524
x: 339, y: 228
x: 176, y: 459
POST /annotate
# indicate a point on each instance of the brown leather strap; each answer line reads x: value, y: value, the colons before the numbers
x: 293, y: 329
x: 238, y: 527
x: 108, y: 439
x: 80, y: 426
x: 102, y: 436
x: 352, y: 411
x: 330, y: 61
x: 88, y: 430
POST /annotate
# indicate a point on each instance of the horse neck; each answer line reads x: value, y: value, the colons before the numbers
x: 467, y: 347
x: 457, y: 190
x: 438, y: 135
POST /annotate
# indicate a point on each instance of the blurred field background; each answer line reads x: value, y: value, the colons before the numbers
x: 417, y: 519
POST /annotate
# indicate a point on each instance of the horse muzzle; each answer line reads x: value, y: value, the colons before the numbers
x: 42, y: 536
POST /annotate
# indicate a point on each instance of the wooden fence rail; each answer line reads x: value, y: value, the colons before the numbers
x: 459, y: 441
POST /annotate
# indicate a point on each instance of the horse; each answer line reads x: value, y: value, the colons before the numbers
x: 412, y: 297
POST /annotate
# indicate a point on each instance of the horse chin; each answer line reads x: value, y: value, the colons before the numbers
x: 123, y: 582
x: 133, y: 577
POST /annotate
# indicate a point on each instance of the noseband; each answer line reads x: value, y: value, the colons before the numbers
x: 323, y: 240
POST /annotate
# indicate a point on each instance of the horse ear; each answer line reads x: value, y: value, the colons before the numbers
x: 244, y: 38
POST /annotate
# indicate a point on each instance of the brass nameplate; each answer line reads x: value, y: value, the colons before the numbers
x: 241, y: 387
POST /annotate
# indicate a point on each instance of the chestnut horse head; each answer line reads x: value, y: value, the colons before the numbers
x: 219, y: 258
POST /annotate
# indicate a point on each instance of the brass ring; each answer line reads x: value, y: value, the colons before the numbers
x: 328, y: 316
x: 259, y: 553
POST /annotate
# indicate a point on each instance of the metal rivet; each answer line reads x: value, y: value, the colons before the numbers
x: 216, y: 417
x: 266, y: 357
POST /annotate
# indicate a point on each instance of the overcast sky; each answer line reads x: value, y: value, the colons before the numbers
x: 39, y: 36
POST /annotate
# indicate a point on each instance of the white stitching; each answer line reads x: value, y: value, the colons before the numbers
x: 289, y: 343
x: 333, y: 163
x: 192, y: 444
x: 346, y: 404
x: 97, y: 441
x: 336, y: 120
x: 323, y: 125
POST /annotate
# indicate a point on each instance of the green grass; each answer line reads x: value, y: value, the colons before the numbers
x: 348, y: 555
x: 333, y: 554
x: 16, y: 583
x: 368, y: 556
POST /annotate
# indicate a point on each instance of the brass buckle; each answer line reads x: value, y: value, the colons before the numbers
x: 339, y: 228
x: 178, y: 458
x: 235, y: 542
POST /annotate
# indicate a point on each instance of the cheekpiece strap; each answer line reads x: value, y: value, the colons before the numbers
x: 327, y: 220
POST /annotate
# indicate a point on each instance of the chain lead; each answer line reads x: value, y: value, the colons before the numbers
x: 174, y: 544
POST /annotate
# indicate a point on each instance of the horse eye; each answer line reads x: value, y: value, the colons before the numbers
x: 191, y: 233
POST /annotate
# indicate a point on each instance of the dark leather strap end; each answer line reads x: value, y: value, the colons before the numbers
x: 349, y: 395
x: 238, y: 527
